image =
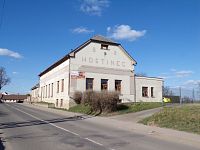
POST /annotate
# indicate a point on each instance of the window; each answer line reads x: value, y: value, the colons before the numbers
x: 104, y: 46
x: 51, y: 89
x: 104, y: 84
x: 152, y: 91
x: 46, y: 91
x: 61, y: 103
x: 144, y: 91
x: 89, y: 83
x: 62, y: 86
x: 57, y: 86
x: 56, y: 102
x: 118, y: 85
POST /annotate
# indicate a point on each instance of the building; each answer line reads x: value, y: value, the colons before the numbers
x: 35, y: 93
x: 98, y: 64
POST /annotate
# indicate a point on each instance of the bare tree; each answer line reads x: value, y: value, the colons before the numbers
x: 167, y: 91
x: 4, y: 79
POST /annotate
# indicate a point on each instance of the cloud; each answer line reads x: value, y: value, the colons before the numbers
x: 191, y: 83
x: 94, y: 7
x: 124, y: 32
x: 6, y: 52
x: 14, y: 72
x: 80, y: 30
x: 174, y: 73
x: 183, y: 73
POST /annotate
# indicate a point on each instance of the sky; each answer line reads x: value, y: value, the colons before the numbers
x: 163, y: 36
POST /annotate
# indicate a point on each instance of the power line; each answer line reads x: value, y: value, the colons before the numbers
x: 2, y: 13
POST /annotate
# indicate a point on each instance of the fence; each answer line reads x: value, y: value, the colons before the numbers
x: 184, y: 94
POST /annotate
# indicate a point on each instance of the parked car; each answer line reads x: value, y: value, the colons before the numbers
x: 166, y: 100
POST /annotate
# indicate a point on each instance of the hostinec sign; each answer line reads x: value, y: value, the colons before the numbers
x: 104, y: 61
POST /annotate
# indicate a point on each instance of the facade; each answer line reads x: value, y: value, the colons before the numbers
x: 98, y: 64
x: 35, y: 93
x: 148, y: 89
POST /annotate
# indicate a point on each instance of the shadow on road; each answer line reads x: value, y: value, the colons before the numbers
x: 39, y: 122
x: 1, y: 144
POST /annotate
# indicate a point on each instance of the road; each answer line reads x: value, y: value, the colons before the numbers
x: 29, y: 128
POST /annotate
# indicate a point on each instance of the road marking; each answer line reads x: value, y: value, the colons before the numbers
x: 95, y: 142
x: 45, y: 121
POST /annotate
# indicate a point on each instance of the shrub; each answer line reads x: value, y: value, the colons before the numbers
x: 77, y: 97
x: 101, y: 101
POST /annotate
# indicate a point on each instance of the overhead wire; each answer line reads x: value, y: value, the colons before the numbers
x: 2, y: 14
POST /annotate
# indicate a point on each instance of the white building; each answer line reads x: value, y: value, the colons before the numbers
x: 98, y: 64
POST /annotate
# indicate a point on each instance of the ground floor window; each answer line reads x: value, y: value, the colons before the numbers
x: 61, y: 103
x: 118, y: 85
x: 89, y: 83
x: 152, y: 91
x: 56, y: 102
x: 104, y: 84
x: 144, y: 91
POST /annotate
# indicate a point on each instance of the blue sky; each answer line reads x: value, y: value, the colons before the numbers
x: 163, y: 36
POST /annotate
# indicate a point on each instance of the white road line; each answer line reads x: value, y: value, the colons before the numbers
x: 94, y: 141
x: 57, y: 126
x: 45, y: 121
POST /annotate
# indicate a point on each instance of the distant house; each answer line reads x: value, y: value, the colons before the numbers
x: 35, y: 93
x: 98, y: 64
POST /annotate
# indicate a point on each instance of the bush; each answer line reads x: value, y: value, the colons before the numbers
x: 101, y: 101
x: 77, y: 97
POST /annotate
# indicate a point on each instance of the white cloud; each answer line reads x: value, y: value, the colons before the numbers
x: 82, y: 30
x: 6, y: 52
x: 124, y: 32
x: 183, y: 73
x: 174, y: 73
x: 14, y: 72
x: 94, y: 7
x: 192, y: 82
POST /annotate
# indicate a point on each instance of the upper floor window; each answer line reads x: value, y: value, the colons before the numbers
x: 104, y: 46
x: 89, y: 83
x: 58, y: 86
x: 62, y: 87
x: 104, y: 84
x: 144, y: 91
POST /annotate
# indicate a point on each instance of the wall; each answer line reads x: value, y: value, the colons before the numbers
x: 35, y: 95
x: 112, y: 64
x: 156, y: 83
x: 57, y: 74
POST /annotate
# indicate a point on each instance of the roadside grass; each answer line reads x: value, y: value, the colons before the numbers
x: 42, y: 102
x: 80, y: 109
x: 184, y: 118
x: 121, y: 108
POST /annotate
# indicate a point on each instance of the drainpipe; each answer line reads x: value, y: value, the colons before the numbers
x: 134, y: 87
x: 69, y: 77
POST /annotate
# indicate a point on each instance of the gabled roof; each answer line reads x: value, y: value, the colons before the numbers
x: 101, y: 38
x: 96, y: 38
x: 35, y: 87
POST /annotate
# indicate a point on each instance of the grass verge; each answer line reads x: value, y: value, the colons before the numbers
x: 121, y: 108
x: 184, y: 118
x: 80, y: 109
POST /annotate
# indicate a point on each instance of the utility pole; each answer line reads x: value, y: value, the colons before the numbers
x: 180, y: 91
x: 193, y: 95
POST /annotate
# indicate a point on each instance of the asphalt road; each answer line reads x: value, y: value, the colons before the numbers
x: 26, y: 128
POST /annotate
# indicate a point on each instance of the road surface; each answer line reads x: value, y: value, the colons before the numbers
x: 29, y: 128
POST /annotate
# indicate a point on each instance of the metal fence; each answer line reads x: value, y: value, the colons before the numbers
x: 185, y: 95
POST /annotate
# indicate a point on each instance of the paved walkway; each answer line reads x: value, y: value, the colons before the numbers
x: 137, y: 116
